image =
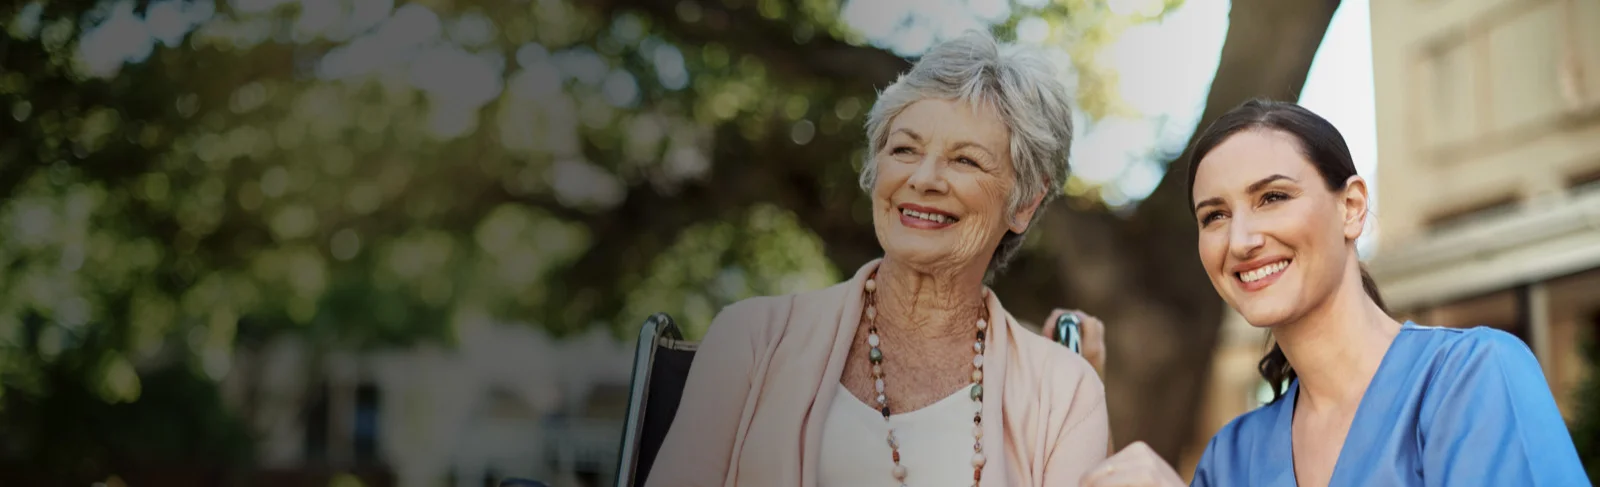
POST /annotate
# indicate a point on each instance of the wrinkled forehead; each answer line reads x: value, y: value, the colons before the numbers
x: 1247, y: 157
x: 947, y: 119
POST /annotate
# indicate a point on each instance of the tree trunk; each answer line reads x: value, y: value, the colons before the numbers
x: 1141, y: 276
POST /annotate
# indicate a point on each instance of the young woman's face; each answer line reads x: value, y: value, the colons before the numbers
x: 1274, y: 239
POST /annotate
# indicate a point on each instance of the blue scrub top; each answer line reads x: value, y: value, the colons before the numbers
x: 1447, y: 407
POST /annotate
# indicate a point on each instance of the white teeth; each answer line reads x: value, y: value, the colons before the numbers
x: 927, y: 216
x: 1263, y: 272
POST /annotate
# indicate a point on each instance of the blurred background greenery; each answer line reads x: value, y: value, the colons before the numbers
x: 186, y: 180
x: 182, y: 182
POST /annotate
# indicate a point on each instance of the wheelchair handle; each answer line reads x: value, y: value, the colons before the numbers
x: 1069, y: 332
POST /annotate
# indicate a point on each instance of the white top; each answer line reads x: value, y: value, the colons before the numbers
x: 935, y: 443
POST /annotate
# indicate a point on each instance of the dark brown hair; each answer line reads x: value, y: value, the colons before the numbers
x: 1320, y: 143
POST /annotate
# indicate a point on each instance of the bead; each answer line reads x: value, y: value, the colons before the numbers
x: 876, y: 357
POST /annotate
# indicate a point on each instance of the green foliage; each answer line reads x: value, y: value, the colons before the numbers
x: 265, y: 173
x: 71, y: 435
x: 768, y: 253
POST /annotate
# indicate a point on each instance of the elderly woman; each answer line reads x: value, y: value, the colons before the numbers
x: 911, y: 372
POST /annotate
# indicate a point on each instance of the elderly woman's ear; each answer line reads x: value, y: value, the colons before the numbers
x: 1024, y: 215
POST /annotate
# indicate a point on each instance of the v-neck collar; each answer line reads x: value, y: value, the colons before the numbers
x: 1280, y: 449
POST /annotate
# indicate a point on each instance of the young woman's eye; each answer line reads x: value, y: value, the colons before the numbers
x: 1274, y: 197
x: 1211, y: 217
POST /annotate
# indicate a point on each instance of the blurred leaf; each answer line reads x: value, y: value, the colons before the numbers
x: 183, y: 180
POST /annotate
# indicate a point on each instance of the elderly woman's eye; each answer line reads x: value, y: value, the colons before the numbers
x: 967, y: 160
x: 901, y: 151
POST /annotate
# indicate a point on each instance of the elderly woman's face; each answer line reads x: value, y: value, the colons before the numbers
x: 942, y: 186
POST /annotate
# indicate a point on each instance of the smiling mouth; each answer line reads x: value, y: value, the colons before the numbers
x: 932, y: 217
x: 1262, y: 272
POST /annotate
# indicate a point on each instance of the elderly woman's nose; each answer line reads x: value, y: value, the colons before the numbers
x: 929, y: 175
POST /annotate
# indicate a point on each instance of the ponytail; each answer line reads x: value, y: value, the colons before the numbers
x: 1275, y: 366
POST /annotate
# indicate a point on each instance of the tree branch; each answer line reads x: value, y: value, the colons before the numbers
x: 820, y: 59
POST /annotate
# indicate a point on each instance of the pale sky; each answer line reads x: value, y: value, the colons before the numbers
x: 1340, y: 89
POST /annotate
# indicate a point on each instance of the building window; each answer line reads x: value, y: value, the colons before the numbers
x: 366, y: 424
x: 342, y: 431
x: 316, y: 424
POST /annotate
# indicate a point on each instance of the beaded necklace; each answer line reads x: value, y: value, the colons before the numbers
x: 875, y: 355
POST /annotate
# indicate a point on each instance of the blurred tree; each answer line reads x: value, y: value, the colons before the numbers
x: 180, y: 178
x: 1138, y: 272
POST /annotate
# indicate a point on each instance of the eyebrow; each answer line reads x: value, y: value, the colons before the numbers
x: 914, y: 135
x: 975, y: 145
x: 1254, y: 187
x: 957, y: 146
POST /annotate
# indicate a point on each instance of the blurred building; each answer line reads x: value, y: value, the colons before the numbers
x: 1489, y: 181
x: 506, y: 400
x: 1488, y: 211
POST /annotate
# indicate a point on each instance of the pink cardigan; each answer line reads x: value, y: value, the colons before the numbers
x: 758, y: 395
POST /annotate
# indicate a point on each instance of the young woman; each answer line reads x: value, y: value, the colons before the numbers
x: 1369, y: 400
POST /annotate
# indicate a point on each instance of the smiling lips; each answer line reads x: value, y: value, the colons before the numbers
x: 1261, y: 276
x: 917, y: 216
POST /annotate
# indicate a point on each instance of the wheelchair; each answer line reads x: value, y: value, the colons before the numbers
x: 661, y: 362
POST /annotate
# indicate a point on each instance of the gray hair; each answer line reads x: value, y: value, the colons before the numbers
x: 1020, y: 85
